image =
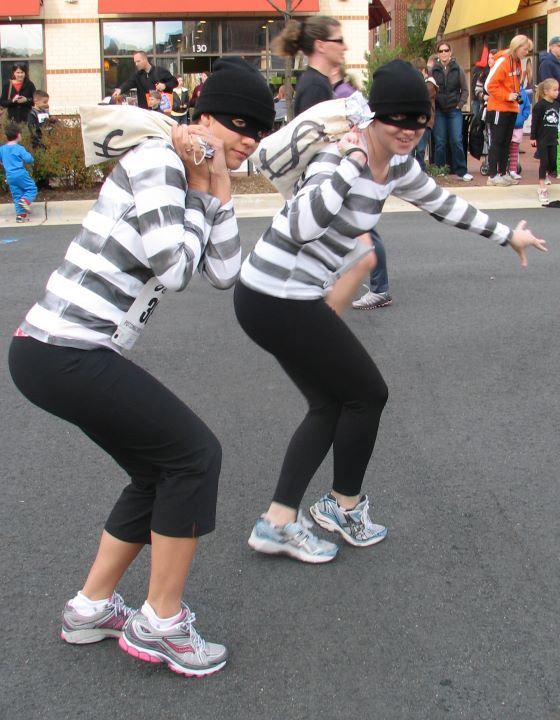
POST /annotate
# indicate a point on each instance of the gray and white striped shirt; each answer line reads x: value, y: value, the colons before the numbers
x: 336, y: 201
x: 144, y: 225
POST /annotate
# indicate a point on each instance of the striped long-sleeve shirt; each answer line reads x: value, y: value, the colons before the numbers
x: 144, y: 225
x: 336, y: 201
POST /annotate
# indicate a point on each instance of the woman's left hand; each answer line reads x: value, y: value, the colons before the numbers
x: 192, y: 157
x: 523, y: 238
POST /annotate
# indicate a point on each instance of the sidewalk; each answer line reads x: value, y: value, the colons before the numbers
x: 477, y: 192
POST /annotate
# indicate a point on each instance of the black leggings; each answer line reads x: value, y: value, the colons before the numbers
x: 172, y: 458
x: 547, y: 160
x: 501, y: 126
x: 344, y: 389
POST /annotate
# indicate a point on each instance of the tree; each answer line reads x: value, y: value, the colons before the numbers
x: 416, y: 46
x: 287, y: 13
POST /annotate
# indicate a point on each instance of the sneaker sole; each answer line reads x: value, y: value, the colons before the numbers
x: 85, y: 637
x: 372, y: 307
x: 333, y: 527
x: 270, y: 548
x: 152, y: 656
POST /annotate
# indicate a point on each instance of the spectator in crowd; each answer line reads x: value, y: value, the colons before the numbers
x: 477, y: 71
x: 14, y: 157
x: 198, y: 88
x: 549, y: 62
x: 320, y: 39
x: 342, y: 83
x: 517, y: 136
x: 544, y: 133
x: 180, y: 106
x: 154, y: 101
x: 503, y: 87
x: 431, y: 85
x: 147, y: 77
x: 448, y: 126
x: 39, y: 118
x: 280, y: 107
x: 17, y: 94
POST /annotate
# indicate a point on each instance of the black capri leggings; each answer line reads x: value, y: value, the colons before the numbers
x: 172, y: 458
x: 343, y: 387
x: 547, y: 160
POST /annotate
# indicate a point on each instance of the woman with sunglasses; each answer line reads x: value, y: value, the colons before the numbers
x: 320, y: 39
x: 453, y: 92
x: 280, y: 303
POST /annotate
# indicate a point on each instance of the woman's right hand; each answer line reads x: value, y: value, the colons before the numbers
x: 350, y: 140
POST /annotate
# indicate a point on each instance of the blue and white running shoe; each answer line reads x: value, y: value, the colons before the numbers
x: 293, y: 539
x: 355, y: 525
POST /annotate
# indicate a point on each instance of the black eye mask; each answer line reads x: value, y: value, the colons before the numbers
x: 242, y: 125
x: 408, y: 122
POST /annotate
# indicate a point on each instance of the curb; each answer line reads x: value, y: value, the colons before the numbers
x: 267, y: 204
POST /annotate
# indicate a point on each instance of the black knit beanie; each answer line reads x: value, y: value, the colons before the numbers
x: 398, y: 88
x: 237, y: 89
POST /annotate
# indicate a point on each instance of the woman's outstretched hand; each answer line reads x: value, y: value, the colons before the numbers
x: 523, y: 238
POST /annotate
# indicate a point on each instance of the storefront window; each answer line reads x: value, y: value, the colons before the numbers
x: 201, y: 37
x: 243, y: 36
x: 22, y: 43
x: 123, y: 38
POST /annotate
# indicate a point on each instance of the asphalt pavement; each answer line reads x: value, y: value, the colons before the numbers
x: 455, y: 615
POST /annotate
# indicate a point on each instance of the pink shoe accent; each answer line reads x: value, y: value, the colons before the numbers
x: 138, y: 654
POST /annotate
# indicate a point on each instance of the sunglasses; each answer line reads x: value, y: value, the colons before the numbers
x: 444, y: 50
x: 339, y: 40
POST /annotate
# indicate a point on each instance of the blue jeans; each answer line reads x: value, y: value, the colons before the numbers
x: 449, y: 126
x: 378, y: 278
x: 420, y: 149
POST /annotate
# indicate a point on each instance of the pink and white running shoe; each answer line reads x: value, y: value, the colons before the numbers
x: 79, y: 629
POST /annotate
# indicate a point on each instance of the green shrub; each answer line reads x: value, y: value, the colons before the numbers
x: 59, y: 162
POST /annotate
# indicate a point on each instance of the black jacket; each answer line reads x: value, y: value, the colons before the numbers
x: 17, y: 111
x: 453, y: 91
x: 145, y: 81
x: 312, y: 87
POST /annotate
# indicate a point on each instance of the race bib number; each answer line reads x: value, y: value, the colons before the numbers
x: 141, y: 310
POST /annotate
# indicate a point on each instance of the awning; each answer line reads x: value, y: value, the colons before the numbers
x: 466, y: 13
x: 21, y: 8
x: 377, y: 14
x: 435, y: 18
x: 183, y: 7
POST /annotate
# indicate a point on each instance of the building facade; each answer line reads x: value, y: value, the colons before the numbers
x: 80, y: 50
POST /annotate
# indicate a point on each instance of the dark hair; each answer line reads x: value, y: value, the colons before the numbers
x: 443, y: 42
x: 38, y: 94
x: 19, y: 66
x: 12, y: 130
x: 302, y: 35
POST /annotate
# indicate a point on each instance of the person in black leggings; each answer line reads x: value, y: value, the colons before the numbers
x: 298, y: 280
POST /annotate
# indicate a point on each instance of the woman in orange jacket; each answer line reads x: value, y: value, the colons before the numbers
x: 503, y: 86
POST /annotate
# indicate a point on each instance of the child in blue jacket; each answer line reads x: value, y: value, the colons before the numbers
x: 14, y: 158
x: 517, y: 137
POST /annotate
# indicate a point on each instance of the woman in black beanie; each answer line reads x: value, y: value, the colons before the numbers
x: 164, y: 213
x: 283, y: 303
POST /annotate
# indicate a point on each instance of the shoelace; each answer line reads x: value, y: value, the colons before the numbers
x: 365, y: 518
x: 121, y: 608
x: 305, y: 535
x: 198, y: 643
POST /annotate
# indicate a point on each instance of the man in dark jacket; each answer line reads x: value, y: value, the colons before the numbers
x: 452, y: 95
x: 549, y: 63
x: 147, y: 77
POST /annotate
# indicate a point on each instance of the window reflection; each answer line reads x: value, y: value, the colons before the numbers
x: 123, y: 38
x: 21, y: 41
